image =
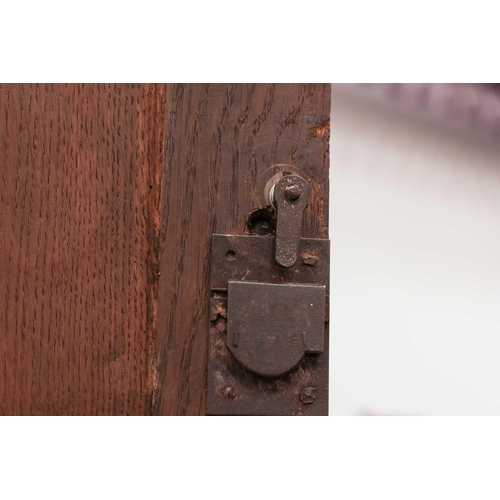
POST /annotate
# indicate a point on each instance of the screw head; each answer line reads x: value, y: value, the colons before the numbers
x: 309, y: 259
x: 308, y: 395
x: 229, y: 392
x: 292, y: 192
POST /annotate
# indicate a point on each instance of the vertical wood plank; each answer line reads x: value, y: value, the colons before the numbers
x: 79, y: 221
x: 219, y: 142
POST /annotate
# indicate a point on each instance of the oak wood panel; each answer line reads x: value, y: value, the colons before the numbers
x: 79, y: 221
x: 219, y: 142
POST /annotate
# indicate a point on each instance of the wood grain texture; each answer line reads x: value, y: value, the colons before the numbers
x: 220, y: 140
x: 79, y: 221
x: 97, y: 182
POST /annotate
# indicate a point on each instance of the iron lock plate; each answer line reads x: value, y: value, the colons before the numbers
x: 268, y: 336
x: 271, y: 326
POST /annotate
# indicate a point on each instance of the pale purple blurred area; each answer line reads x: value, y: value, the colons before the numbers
x: 472, y: 106
x: 415, y: 260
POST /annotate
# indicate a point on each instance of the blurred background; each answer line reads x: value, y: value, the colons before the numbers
x: 415, y: 249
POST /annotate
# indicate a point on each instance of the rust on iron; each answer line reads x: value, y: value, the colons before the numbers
x: 243, y: 291
x: 308, y: 395
x: 271, y: 326
x: 309, y: 258
x: 229, y: 392
x: 255, y: 395
x: 254, y: 261
x: 218, y: 306
x: 290, y: 198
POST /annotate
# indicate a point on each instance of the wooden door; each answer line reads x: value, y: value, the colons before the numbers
x: 108, y: 199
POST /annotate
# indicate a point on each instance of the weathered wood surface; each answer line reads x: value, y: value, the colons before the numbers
x: 99, y: 182
x: 220, y: 140
x: 79, y: 226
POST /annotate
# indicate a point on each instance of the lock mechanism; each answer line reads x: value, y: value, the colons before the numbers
x: 277, y: 326
x: 268, y: 344
x: 290, y: 197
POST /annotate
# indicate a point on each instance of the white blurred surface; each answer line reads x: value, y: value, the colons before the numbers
x: 415, y: 256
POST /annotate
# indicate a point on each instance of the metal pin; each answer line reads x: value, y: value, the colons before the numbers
x: 292, y: 192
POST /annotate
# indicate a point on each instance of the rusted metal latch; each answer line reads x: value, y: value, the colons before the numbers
x: 290, y: 197
x: 268, y: 343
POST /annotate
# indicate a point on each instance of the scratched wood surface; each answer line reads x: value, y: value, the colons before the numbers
x: 220, y: 141
x: 98, y: 183
x: 79, y: 222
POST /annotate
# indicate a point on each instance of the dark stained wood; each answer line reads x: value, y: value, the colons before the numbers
x: 220, y: 140
x: 97, y: 182
x: 79, y: 238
